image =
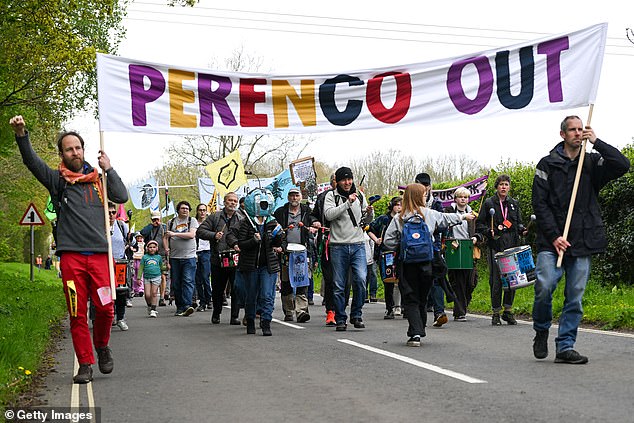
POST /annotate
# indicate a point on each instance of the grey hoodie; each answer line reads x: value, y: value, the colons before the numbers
x: 81, y: 225
x: 342, y: 231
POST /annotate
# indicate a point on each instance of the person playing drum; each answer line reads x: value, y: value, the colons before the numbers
x: 500, y: 222
x: 462, y: 281
x: 296, y: 219
x: 215, y: 228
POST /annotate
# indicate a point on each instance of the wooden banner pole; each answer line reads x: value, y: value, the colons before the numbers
x: 113, y: 288
x: 575, y: 187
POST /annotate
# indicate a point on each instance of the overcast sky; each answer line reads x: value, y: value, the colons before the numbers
x: 335, y: 36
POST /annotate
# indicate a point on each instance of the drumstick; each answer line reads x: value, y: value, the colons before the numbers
x: 492, y: 213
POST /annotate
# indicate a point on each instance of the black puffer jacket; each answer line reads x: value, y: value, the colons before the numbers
x: 251, y: 250
x: 552, y: 188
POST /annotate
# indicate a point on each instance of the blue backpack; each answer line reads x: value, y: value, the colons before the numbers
x: 416, y: 241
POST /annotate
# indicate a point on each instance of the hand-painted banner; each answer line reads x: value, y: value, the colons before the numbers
x: 477, y: 188
x: 145, y: 195
x: 227, y: 174
x: 553, y: 73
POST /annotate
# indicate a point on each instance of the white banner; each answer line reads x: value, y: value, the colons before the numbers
x: 553, y: 73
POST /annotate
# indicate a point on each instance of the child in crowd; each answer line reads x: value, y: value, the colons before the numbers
x: 150, y: 268
x: 139, y: 250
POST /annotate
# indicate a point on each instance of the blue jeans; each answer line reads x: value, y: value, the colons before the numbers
x: 548, y: 276
x: 203, y: 270
x: 182, y: 273
x: 344, y: 257
x: 260, y: 290
x: 437, y: 298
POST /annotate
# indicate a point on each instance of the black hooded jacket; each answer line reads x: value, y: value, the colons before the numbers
x: 552, y: 189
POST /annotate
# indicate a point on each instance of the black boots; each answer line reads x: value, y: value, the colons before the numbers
x: 250, y: 327
x: 266, y: 327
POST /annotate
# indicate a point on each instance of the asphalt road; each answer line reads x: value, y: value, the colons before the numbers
x: 175, y: 369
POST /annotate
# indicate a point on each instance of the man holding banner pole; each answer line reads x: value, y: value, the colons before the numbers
x: 556, y: 176
x: 82, y: 242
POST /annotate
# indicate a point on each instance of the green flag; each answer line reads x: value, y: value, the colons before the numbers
x: 49, y: 212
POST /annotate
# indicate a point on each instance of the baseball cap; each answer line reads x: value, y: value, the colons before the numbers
x: 156, y: 215
x: 294, y: 190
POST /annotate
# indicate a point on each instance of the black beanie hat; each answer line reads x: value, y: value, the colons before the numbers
x: 343, y: 173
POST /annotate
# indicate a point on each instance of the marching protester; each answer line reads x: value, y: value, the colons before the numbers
x: 500, y: 222
x: 377, y: 234
x: 150, y: 267
x: 348, y: 212
x: 118, y: 236
x: 203, y: 263
x: 259, y: 238
x: 370, y: 279
x: 552, y: 188
x: 215, y: 229
x: 180, y: 246
x: 138, y: 251
x: 77, y: 193
x: 436, y: 293
x: 410, y: 233
x: 155, y: 231
x: 296, y: 220
x: 323, y: 237
x: 462, y: 280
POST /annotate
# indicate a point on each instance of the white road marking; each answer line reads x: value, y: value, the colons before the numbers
x: 290, y: 325
x: 414, y: 362
x: 74, y: 391
x: 555, y: 326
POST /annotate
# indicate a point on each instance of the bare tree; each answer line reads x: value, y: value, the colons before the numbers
x: 385, y: 171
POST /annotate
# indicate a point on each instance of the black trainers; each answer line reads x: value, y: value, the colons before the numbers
x: 215, y: 319
x: 106, y: 362
x: 341, y: 327
x: 303, y: 317
x: 540, y: 344
x: 358, y: 323
x: 414, y: 341
x: 84, y: 374
x: 266, y: 327
x: 288, y: 318
x: 570, y: 357
x: 495, y: 320
x: 188, y: 311
x: 389, y: 315
x: 508, y: 317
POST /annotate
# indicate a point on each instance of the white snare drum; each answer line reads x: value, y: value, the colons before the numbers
x: 517, y: 268
x: 297, y: 265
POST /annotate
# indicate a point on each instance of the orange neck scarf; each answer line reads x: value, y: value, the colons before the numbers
x: 75, y: 177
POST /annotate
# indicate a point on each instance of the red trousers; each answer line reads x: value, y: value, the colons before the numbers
x: 90, y: 275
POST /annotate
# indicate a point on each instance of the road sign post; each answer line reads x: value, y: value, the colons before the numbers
x: 32, y: 218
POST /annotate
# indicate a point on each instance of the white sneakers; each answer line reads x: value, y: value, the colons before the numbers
x: 122, y: 325
x: 153, y: 313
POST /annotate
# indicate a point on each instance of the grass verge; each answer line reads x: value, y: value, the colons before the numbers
x: 604, y: 307
x: 28, y: 312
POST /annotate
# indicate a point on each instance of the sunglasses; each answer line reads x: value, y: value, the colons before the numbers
x: 112, y: 212
x: 156, y: 219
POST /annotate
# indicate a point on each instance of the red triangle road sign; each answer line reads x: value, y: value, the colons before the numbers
x: 31, y: 217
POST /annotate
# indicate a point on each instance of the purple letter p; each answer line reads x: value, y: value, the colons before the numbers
x: 139, y: 95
